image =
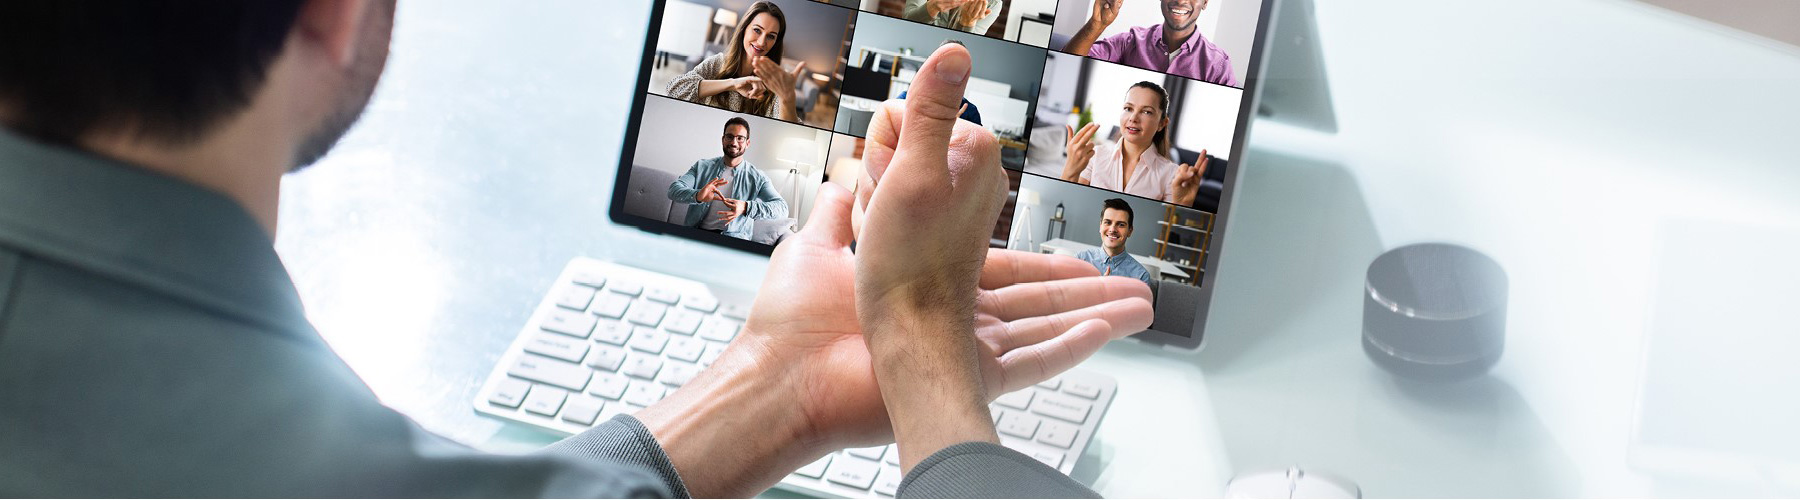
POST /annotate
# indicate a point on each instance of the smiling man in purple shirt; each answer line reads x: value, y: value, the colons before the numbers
x: 1174, y: 47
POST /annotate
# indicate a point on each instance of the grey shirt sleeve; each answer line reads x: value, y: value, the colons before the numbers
x: 623, y: 440
x: 987, y: 470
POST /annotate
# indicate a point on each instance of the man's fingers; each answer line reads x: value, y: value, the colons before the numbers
x: 1007, y: 267
x: 1028, y: 300
x: 830, y: 221
x: 1036, y: 363
x: 1130, y: 315
x: 931, y: 103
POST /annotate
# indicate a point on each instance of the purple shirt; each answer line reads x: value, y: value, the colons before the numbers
x: 1197, y: 58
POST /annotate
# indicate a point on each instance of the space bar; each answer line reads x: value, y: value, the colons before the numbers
x: 539, y: 369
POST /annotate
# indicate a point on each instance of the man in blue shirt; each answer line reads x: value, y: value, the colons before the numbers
x: 1111, y: 259
x: 726, y: 193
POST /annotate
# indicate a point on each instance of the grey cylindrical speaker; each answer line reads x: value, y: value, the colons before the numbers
x: 1434, y: 311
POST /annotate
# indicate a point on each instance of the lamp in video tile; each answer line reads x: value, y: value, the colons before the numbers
x: 1021, y: 234
x: 801, y: 153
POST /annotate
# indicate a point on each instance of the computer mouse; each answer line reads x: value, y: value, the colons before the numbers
x: 1291, y: 483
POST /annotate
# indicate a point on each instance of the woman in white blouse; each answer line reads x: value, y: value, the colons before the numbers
x: 1139, y: 163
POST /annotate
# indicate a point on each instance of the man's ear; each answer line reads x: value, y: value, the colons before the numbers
x: 332, y: 26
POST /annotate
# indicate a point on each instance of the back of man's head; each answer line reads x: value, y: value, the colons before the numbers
x: 160, y: 70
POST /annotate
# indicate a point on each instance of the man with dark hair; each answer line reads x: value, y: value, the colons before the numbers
x: 153, y: 345
x: 725, y: 194
x: 1111, y: 259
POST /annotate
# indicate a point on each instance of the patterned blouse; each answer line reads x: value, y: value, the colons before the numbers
x: 687, y: 87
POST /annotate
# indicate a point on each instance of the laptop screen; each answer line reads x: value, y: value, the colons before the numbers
x: 1119, y: 121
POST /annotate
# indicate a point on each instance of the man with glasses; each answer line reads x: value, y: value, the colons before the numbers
x: 726, y: 193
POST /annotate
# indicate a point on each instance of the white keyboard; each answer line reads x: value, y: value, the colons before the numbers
x: 611, y: 339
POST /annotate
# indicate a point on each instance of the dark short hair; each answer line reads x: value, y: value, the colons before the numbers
x: 165, y: 70
x: 1119, y: 204
x: 740, y: 121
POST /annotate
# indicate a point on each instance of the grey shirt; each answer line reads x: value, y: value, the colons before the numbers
x: 152, y: 345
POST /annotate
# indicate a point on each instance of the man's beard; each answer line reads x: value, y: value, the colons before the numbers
x: 365, y: 72
x: 729, y: 155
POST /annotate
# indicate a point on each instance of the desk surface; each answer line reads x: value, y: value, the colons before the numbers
x: 421, y: 244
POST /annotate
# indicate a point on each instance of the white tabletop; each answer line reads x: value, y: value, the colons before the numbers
x: 1555, y: 135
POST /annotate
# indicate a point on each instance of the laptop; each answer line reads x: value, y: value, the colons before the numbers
x: 608, y: 338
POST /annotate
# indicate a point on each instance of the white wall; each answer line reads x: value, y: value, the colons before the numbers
x: 1237, y: 31
x: 676, y: 134
x: 1072, y: 14
x: 1208, y: 117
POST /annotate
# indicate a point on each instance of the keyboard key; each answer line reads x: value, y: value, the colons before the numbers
x: 1054, y: 460
x: 569, y: 376
x: 893, y: 455
x: 663, y: 295
x: 649, y: 340
x: 627, y: 288
x: 678, y: 374
x: 738, y: 312
x: 712, y: 354
x: 589, y: 278
x: 686, y: 349
x: 1083, y: 389
x: 643, y: 393
x: 642, y: 366
x: 575, y: 298
x: 1062, y: 407
x: 613, y: 332
x: 1051, y: 384
x: 646, y: 313
x: 853, y: 472
x: 888, y: 483
x: 816, y: 469
x: 1058, y: 435
x: 606, y: 358
x: 719, y: 329
x: 557, y: 346
x: 1016, y: 400
x: 566, y: 322
x: 682, y: 321
x: 609, y: 385
x: 611, y: 305
x: 614, y: 409
x: 545, y: 400
x: 582, y: 410
x: 871, y: 453
x: 702, y: 303
x: 509, y: 393
x: 1018, y: 424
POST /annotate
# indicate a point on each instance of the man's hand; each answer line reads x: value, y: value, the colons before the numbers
x: 1103, y: 15
x: 733, y: 210
x: 1080, y: 150
x: 1105, y: 12
x: 710, y: 192
x: 800, y: 381
x: 972, y: 12
x: 1186, y: 186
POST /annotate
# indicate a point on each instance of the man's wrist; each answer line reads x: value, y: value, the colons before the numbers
x: 733, y: 431
x: 931, y: 383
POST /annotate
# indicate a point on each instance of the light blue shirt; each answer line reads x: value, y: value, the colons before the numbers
x: 748, y: 184
x: 1118, y: 265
